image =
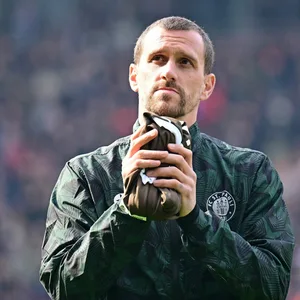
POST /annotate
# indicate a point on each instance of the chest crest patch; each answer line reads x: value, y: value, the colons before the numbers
x: 222, y: 204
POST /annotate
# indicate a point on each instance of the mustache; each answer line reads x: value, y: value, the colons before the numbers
x: 167, y: 84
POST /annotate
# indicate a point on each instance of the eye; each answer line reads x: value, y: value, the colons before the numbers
x: 185, y: 61
x: 158, y: 58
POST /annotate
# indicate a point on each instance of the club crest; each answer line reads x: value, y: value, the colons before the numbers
x: 222, y: 204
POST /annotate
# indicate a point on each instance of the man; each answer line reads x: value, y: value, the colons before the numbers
x: 233, y: 238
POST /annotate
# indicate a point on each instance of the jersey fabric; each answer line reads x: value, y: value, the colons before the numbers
x: 237, y: 243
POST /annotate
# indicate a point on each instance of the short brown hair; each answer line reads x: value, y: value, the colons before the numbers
x: 179, y: 23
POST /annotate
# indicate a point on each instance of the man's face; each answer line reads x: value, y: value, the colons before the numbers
x: 169, y: 77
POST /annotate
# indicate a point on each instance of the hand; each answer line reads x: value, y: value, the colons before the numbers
x: 181, y: 176
x: 139, y: 159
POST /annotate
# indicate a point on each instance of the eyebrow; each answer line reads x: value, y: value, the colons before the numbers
x: 179, y: 51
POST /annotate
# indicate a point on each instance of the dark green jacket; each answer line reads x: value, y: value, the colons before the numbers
x: 236, y: 244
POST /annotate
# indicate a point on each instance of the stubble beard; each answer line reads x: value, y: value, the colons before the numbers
x: 166, y: 106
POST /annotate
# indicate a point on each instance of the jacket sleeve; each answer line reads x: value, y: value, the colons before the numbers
x: 255, y: 263
x: 86, y: 246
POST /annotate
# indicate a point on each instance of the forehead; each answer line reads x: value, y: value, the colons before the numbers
x: 188, y: 41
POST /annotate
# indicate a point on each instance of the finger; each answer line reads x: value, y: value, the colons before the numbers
x: 141, y: 140
x: 184, y: 152
x: 137, y: 164
x: 143, y: 159
x: 152, y: 154
x: 145, y: 164
x: 137, y: 132
x: 180, y: 162
x: 176, y: 160
x: 167, y: 172
x: 171, y: 184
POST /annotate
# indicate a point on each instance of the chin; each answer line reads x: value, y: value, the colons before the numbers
x: 166, y: 110
x: 166, y: 106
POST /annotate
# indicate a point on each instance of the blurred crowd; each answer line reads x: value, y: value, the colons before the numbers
x: 64, y: 91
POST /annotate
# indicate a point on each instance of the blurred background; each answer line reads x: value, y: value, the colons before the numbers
x: 64, y: 91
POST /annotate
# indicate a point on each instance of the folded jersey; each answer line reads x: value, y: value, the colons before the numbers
x: 141, y: 197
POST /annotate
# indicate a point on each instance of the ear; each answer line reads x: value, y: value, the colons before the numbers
x: 209, y: 85
x: 133, y: 77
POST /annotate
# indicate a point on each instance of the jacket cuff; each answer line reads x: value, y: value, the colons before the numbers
x: 189, y: 218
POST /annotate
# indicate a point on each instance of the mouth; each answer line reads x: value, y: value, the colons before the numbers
x: 168, y: 90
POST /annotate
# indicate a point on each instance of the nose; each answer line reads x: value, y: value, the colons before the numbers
x: 168, y: 71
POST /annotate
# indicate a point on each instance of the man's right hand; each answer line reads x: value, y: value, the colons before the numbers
x: 140, y: 159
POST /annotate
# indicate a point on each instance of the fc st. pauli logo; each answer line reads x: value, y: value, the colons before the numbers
x: 222, y: 204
